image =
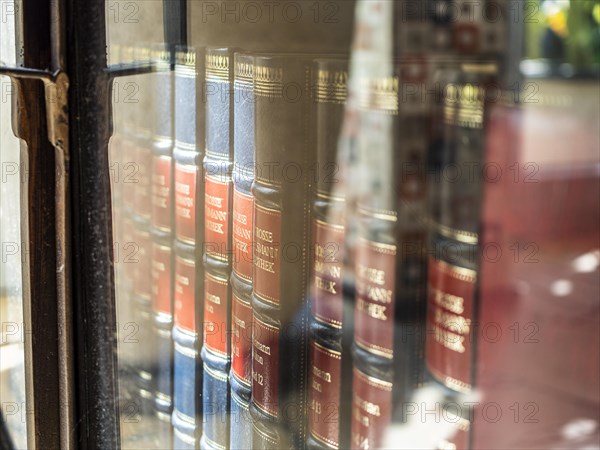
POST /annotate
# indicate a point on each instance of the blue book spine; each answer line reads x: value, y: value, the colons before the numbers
x: 216, y: 348
x: 188, y: 269
x: 183, y: 434
x: 241, y: 277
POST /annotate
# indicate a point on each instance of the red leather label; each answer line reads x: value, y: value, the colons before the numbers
x: 215, y: 314
x: 143, y: 204
x: 161, y: 192
x: 449, y: 324
x: 324, y: 394
x: 265, y: 367
x: 161, y: 278
x: 242, y: 235
x: 266, y: 263
x: 185, y: 279
x: 375, y: 294
x: 371, y: 410
x: 327, y: 261
x: 241, y: 341
x: 216, y: 217
x: 142, y: 263
x: 185, y: 202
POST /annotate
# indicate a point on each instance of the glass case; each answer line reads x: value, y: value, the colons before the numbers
x: 302, y: 224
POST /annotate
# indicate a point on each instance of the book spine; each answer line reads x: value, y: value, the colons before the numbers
x: 451, y: 298
x: 240, y: 375
x: 162, y: 254
x: 456, y: 219
x: 280, y: 262
x: 389, y: 266
x: 218, y: 162
x: 188, y: 270
x: 327, y: 419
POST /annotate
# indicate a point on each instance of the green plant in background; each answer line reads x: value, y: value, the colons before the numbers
x: 564, y: 31
x: 534, y: 29
x: 583, y: 41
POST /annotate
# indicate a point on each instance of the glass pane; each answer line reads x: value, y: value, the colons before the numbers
x: 357, y: 224
x: 12, y: 332
x: 134, y: 28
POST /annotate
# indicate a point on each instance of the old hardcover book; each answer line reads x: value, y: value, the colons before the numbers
x: 189, y: 271
x: 161, y: 220
x: 389, y: 267
x: 284, y: 152
x: 218, y: 162
x: 240, y: 375
x: 456, y: 218
x: 452, y: 305
x: 329, y: 409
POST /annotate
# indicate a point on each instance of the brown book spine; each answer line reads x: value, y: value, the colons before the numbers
x: 389, y: 266
x: 452, y: 304
x: 284, y: 152
x: 240, y: 376
x: 328, y: 415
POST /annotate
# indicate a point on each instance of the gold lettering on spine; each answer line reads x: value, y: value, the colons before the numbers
x: 373, y: 310
x: 450, y: 326
x: 367, y: 278
x: 375, y: 293
x: 218, y: 218
x: 457, y: 324
x: 448, y: 301
x: 371, y: 409
x: 366, y: 406
x: 449, y: 340
x: 239, y: 322
x: 184, y: 202
x: 262, y: 347
x: 266, y: 251
x: 327, y: 274
x: 321, y: 374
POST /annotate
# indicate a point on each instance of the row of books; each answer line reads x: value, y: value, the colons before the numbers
x: 279, y: 301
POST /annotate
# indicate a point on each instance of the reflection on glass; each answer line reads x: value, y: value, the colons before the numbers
x: 140, y: 152
x: 394, y: 246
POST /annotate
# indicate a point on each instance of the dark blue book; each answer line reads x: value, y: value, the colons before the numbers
x: 188, y: 268
x: 240, y: 376
x: 218, y: 189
